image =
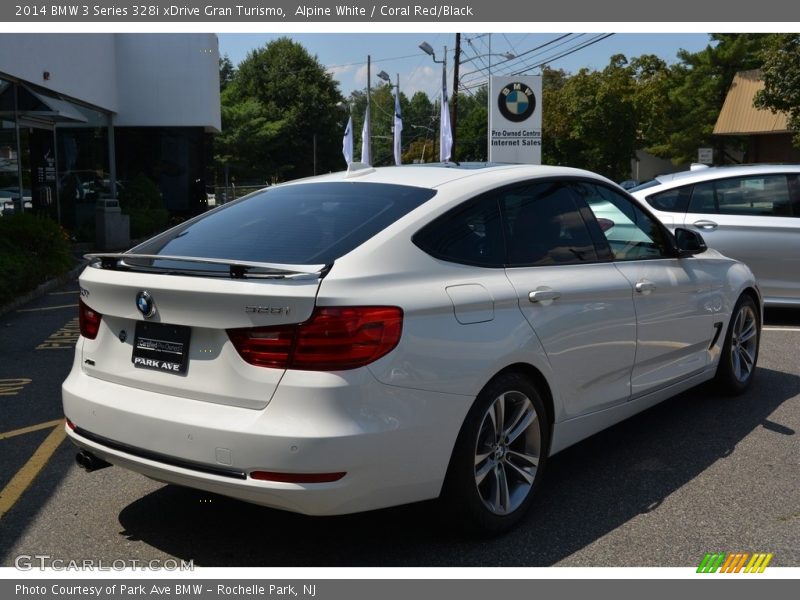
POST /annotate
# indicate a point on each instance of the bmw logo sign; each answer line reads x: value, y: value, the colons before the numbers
x: 145, y: 304
x: 516, y: 102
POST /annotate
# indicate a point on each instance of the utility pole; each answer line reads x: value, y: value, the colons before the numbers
x: 454, y: 109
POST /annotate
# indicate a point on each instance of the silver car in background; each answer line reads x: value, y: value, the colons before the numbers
x: 748, y: 212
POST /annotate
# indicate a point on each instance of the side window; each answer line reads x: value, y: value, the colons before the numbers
x: 631, y: 233
x: 544, y: 226
x: 674, y: 200
x: 471, y: 234
x: 757, y: 195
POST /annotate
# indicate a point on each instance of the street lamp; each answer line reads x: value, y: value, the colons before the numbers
x: 428, y: 49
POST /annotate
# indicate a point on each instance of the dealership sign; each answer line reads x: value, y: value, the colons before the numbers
x: 515, y: 119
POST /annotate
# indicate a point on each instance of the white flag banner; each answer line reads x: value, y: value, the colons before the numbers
x: 365, y: 157
x: 347, y: 141
x: 446, y: 136
x: 398, y: 130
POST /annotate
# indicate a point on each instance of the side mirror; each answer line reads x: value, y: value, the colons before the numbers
x: 689, y: 242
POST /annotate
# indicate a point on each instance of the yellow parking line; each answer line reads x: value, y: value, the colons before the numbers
x: 47, y: 308
x: 30, y: 429
x: 25, y: 476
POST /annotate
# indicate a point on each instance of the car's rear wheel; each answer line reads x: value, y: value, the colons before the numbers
x: 498, y: 458
x: 737, y: 364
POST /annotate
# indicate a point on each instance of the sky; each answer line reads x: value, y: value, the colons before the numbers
x: 345, y: 54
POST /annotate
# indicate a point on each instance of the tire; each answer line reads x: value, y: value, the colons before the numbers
x: 737, y: 363
x: 495, y: 470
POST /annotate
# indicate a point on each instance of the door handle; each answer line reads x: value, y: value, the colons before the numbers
x: 705, y: 225
x: 644, y: 286
x: 544, y: 295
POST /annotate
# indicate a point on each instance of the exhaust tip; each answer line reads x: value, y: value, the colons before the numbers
x: 89, y: 462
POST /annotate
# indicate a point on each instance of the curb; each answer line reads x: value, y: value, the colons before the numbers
x: 44, y: 288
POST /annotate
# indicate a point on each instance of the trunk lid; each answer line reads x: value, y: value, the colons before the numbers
x: 202, y: 308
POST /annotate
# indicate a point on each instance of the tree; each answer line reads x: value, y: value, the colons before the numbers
x: 590, y: 121
x: 695, y: 91
x: 226, y: 72
x: 781, y: 72
x: 420, y: 129
x: 276, y: 105
x: 473, y: 126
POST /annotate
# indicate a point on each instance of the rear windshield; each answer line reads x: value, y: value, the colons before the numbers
x: 305, y: 224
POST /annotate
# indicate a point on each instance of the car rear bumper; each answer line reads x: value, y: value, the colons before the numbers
x: 393, y: 444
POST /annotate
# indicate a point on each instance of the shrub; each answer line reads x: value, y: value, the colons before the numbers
x: 141, y: 200
x: 32, y: 249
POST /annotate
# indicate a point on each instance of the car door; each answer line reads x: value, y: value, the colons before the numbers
x: 672, y: 296
x: 577, y: 302
x: 754, y: 219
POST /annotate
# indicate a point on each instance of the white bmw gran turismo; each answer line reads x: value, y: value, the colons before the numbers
x: 747, y: 212
x: 383, y: 336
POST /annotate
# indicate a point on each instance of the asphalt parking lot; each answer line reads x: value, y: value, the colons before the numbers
x: 696, y: 474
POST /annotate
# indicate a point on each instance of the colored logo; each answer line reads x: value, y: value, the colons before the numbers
x: 734, y: 562
x: 516, y: 102
x: 145, y: 304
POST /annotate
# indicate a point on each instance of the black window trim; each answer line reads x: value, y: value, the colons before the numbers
x: 602, y: 248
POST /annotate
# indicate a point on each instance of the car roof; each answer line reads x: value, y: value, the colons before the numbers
x: 436, y: 175
x: 704, y: 174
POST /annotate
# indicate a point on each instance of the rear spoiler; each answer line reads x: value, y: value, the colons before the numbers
x: 236, y: 269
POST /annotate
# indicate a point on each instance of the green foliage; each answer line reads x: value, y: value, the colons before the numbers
x: 420, y: 129
x: 590, y: 121
x: 382, y: 118
x: 781, y: 72
x: 273, y: 106
x: 226, y: 72
x: 473, y: 125
x: 32, y: 249
x: 694, y: 92
x: 142, y: 201
x: 280, y: 97
x: 598, y: 119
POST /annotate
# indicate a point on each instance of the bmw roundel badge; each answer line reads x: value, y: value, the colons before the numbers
x: 516, y: 102
x: 145, y: 304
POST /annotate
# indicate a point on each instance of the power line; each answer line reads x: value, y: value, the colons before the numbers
x: 534, y: 49
x: 598, y: 38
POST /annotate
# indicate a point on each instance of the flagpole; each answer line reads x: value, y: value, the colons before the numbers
x: 369, y: 101
x: 397, y: 124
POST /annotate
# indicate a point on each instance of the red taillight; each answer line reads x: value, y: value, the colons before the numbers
x: 264, y: 346
x: 333, y: 339
x: 89, y: 321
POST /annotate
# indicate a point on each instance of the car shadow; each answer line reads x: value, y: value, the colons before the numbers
x: 590, y: 490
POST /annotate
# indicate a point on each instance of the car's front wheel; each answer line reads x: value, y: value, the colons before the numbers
x: 498, y: 458
x: 737, y: 364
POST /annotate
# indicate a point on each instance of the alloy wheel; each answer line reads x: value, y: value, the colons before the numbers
x: 507, y: 452
x: 744, y: 343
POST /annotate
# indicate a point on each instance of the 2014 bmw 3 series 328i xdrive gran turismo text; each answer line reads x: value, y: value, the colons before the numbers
x: 383, y: 336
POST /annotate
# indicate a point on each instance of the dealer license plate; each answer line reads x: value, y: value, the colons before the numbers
x: 161, y: 347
